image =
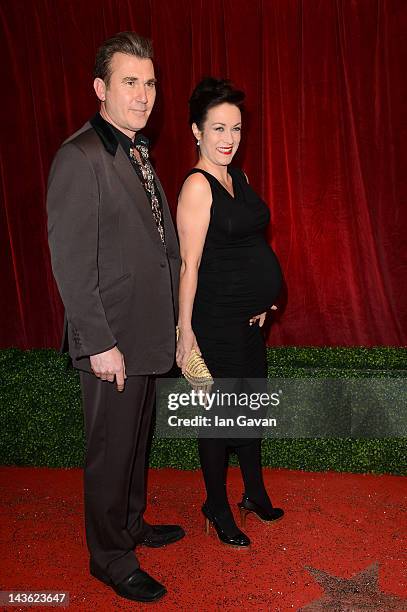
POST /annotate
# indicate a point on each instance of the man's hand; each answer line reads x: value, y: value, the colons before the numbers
x: 108, y: 366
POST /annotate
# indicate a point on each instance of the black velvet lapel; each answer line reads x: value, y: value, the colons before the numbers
x: 105, y: 134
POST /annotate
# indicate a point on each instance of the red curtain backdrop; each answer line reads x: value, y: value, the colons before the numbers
x: 323, y: 138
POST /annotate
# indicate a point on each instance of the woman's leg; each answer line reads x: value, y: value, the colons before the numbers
x: 213, y: 457
x: 249, y: 457
x: 213, y: 454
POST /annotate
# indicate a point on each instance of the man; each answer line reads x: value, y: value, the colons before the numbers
x: 116, y: 262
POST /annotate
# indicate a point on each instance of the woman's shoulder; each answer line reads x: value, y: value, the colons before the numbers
x: 198, y: 173
x: 195, y: 187
x: 200, y: 176
x: 196, y: 179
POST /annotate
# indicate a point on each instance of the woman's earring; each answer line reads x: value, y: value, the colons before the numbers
x: 198, y: 142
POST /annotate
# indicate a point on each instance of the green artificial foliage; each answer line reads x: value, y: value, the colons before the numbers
x: 41, y: 420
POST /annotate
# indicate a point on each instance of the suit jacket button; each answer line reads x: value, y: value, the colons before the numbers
x: 163, y: 265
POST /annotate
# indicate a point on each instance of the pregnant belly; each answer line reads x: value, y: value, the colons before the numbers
x: 264, y: 280
x: 245, y: 283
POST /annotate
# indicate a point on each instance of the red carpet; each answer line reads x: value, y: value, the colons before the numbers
x: 341, y: 524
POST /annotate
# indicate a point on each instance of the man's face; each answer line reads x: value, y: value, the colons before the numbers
x: 129, y: 98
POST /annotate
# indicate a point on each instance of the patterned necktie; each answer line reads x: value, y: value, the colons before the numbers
x: 143, y: 164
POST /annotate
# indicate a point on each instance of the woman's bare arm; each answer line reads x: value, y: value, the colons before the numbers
x: 193, y: 215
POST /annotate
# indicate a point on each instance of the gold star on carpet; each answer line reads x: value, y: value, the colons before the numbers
x: 357, y: 594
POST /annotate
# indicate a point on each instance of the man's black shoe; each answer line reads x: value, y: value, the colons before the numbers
x: 139, y: 586
x: 160, y: 535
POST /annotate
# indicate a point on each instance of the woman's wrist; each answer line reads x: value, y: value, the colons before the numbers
x: 185, y: 327
x: 185, y: 330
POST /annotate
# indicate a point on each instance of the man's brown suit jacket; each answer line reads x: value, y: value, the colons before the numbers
x: 118, y: 282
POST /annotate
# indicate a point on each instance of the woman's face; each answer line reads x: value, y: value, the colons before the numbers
x: 220, y: 135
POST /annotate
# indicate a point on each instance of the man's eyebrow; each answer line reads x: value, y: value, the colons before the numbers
x: 134, y: 78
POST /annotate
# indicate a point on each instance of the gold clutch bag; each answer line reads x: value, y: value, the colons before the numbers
x: 196, y: 371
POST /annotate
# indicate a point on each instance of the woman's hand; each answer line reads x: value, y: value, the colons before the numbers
x: 261, y: 317
x: 186, y: 342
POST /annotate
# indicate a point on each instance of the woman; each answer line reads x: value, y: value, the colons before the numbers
x: 229, y: 278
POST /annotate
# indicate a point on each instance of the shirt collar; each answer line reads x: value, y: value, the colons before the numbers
x: 122, y: 138
x: 126, y: 142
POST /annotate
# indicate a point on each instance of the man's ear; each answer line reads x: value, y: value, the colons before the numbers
x: 100, y: 88
x: 196, y: 132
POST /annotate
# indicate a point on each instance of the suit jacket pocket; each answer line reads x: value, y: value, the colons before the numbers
x: 116, y: 291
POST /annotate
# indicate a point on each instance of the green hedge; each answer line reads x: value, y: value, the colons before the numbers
x: 41, y: 419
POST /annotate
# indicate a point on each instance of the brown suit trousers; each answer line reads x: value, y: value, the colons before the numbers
x: 117, y: 429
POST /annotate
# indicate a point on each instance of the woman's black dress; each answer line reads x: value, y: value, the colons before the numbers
x: 239, y: 277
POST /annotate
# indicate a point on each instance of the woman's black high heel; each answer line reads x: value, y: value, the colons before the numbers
x: 237, y: 539
x: 246, y: 506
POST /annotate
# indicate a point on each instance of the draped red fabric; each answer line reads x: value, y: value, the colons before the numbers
x: 323, y: 137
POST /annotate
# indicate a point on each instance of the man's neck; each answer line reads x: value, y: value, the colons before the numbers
x: 106, y: 117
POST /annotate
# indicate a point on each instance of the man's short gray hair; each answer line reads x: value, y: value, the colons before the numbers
x: 129, y: 43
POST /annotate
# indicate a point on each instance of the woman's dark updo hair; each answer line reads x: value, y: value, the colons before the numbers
x: 211, y: 92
